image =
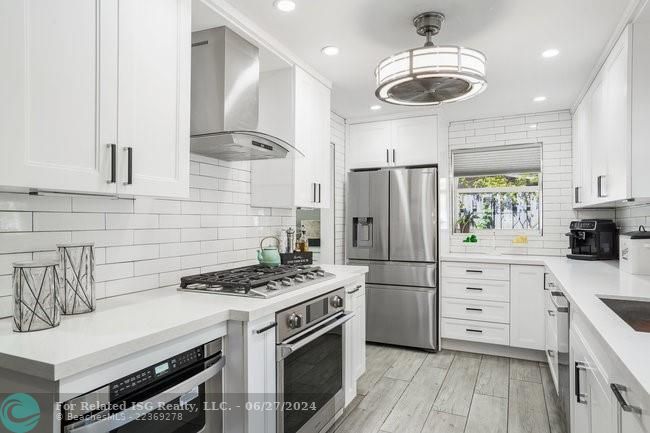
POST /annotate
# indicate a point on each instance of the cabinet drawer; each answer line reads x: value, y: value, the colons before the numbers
x: 482, y: 271
x: 494, y: 333
x: 489, y: 290
x: 488, y: 311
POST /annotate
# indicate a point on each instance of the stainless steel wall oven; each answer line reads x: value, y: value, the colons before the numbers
x: 310, y: 357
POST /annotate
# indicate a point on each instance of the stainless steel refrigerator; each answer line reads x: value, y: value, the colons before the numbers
x: 392, y: 227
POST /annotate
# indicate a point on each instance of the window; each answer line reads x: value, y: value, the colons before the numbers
x: 497, y: 189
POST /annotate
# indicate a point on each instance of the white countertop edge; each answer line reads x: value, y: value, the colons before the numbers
x: 33, y: 359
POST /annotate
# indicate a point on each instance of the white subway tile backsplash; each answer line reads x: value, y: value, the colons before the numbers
x: 5, y: 285
x: 131, y: 221
x: 156, y: 236
x: 131, y: 285
x: 148, y: 267
x: 15, y: 222
x: 101, y: 204
x: 35, y: 203
x: 218, y: 245
x: 132, y: 253
x: 180, y: 249
x: 180, y: 221
x: 113, y: 271
x: 7, y: 261
x: 31, y: 241
x: 104, y: 238
x: 157, y: 206
x: 50, y: 221
x: 6, y: 306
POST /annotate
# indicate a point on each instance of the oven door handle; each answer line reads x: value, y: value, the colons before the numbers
x: 284, y: 350
x: 106, y: 423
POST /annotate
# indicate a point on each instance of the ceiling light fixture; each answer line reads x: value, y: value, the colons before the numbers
x: 432, y: 74
x: 330, y: 50
x: 375, y: 107
x: 551, y: 52
x: 284, y: 5
x: 539, y: 98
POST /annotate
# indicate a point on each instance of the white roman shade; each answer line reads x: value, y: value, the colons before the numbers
x: 498, y: 160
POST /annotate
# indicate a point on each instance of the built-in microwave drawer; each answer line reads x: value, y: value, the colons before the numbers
x: 488, y: 311
x: 466, y: 288
x: 468, y: 330
x: 482, y: 271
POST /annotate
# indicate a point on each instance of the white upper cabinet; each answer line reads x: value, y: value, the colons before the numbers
x: 610, y: 125
x: 68, y: 64
x: 56, y: 121
x: 402, y: 142
x: 295, y: 107
x: 154, y: 96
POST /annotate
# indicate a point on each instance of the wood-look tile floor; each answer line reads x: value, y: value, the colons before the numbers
x: 410, y: 391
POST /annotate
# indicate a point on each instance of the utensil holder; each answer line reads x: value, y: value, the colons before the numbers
x: 35, y: 292
x: 77, y: 275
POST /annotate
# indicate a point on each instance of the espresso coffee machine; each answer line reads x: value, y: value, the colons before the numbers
x: 594, y: 239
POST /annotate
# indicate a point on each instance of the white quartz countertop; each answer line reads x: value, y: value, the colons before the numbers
x: 583, y: 283
x: 125, y: 325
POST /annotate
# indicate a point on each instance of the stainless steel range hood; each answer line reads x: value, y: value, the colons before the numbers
x: 225, y: 100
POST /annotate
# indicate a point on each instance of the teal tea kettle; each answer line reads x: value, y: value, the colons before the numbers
x: 269, y: 256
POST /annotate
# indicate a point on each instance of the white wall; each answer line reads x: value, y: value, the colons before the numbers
x: 338, y: 138
x: 144, y: 243
x: 553, y: 130
x: 629, y: 218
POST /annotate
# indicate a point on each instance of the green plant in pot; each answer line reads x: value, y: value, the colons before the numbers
x: 466, y: 220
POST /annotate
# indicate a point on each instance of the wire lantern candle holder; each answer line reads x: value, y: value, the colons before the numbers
x: 77, y: 278
x: 35, y: 293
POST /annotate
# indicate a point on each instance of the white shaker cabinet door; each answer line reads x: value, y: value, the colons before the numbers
x: 527, y: 326
x: 415, y: 141
x: 369, y: 145
x: 154, y: 96
x: 56, y: 120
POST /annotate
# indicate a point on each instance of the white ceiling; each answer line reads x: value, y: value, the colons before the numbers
x: 512, y: 33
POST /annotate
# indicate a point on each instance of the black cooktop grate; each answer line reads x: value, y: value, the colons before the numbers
x: 246, y: 278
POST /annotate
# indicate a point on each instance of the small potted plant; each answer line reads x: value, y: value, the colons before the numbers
x: 466, y: 220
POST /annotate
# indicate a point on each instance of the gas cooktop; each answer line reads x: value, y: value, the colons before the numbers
x: 255, y: 281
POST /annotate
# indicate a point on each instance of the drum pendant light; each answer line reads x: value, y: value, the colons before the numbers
x: 433, y: 74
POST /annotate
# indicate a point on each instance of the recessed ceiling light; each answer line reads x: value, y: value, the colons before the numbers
x: 533, y: 126
x: 285, y: 5
x: 330, y: 50
x: 551, y: 52
x: 539, y: 98
x: 375, y: 107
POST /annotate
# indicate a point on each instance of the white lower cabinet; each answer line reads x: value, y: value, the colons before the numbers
x: 355, y: 339
x: 527, y: 307
x: 596, y: 377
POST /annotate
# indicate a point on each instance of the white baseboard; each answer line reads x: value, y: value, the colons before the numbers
x: 493, y: 349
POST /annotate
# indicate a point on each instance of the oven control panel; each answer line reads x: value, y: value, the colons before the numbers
x: 300, y: 317
x: 144, y: 377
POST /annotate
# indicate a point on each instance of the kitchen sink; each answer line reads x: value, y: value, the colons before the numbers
x: 634, y: 313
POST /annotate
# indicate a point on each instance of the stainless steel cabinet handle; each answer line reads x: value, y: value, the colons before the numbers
x: 616, y: 389
x: 387, y: 156
x: 474, y: 271
x: 577, y: 194
x: 314, y: 192
x: 319, y: 188
x: 110, y: 422
x: 266, y: 328
x: 113, y: 176
x: 473, y: 309
x: 393, y: 156
x: 474, y: 330
x: 477, y: 289
x: 577, y: 368
x: 354, y: 291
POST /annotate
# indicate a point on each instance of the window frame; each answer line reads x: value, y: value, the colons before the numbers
x: 455, y: 191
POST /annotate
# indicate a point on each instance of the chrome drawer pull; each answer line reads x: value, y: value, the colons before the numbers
x: 478, y: 289
x: 473, y: 309
x: 473, y: 330
x: 266, y: 328
x: 474, y: 271
x: 616, y: 389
